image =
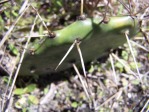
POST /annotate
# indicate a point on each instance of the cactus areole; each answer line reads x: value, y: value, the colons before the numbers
x: 96, y: 39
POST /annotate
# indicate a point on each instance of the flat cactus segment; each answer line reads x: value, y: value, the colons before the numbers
x: 96, y: 39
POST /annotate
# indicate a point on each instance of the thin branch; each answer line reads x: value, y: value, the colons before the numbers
x: 120, y: 60
x: 44, y: 24
x: 109, y: 99
x: 113, y: 68
x: 140, y: 46
x: 132, y: 52
x: 145, y: 108
x: 82, y: 5
x: 83, y: 82
x: 6, y: 36
x: 64, y: 57
x: 21, y: 59
x: 23, y: 6
x: 81, y: 58
x: 125, y: 6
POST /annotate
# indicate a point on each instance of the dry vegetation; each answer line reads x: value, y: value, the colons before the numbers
x: 111, y: 84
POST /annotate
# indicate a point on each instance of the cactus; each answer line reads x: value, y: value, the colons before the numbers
x: 96, y: 39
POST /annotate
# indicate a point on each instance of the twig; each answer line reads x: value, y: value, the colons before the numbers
x: 109, y: 99
x: 125, y: 6
x: 49, y: 96
x: 44, y: 24
x: 23, y: 6
x: 113, y: 68
x: 140, y: 46
x: 64, y: 57
x: 145, y: 107
x: 117, y: 58
x: 131, y: 50
x: 83, y: 67
x: 81, y: 58
x: 11, y: 28
x: 84, y: 84
x: 21, y: 59
x: 82, y: 5
x: 117, y: 98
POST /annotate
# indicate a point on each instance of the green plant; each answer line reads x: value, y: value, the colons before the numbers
x: 96, y: 39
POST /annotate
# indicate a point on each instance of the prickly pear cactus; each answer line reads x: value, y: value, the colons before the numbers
x: 96, y: 39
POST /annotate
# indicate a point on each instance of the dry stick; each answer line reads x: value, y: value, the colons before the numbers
x: 120, y: 60
x: 145, y: 12
x: 118, y: 96
x: 69, y: 50
x: 41, y: 20
x: 23, y: 6
x: 142, y: 10
x: 105, y: 16
x: 49, y: 32
x: 80, y: 54
x: 81, y: 58
x: 145, y: 35
x: 129, y: 4
x: 81, y: 10
x: 145, y: 106
x: 147, y: 110
x: 5, y: 37
x: 125, y: 6
x: 109, y: 99
x: 141, y: 24
x: 132, y: 52
x: 82, y: 63
x: 64, y: 57
x: 36, y: 35
x: 140, y: 46
x: 83, y: 67
x: 50, y: 95
x: 22, y: 57
x: 83, y: 82
x: 113, y: 96
x: 11, y: 28
x: 113, y: 68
